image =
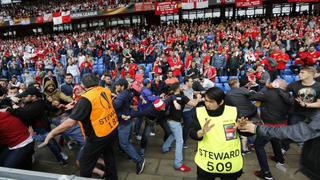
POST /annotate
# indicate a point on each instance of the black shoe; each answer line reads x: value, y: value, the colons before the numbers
x: 264, y: 175
x: 140, y: 166
x: 63, y: 163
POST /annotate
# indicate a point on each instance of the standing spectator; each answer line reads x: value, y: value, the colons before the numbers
x: 233, y: 64
x: 219, y: 61
x: 74, y: 70
x: 59, y: 71
x: 121, y: 103
x: 174, y: 122
x: 275, y: 104
x: 50, y: 77
x: 209, y: 72
x: 67, y: 86
x: 283, y: 59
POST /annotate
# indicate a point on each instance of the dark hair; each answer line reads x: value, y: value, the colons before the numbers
x: 2, y: 91
x: 90, y: 80
x: 174, y: 86
x: 68, y: 74
x: 122, y: 82
x: 216, y: 94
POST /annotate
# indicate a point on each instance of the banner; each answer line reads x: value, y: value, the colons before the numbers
x: 248, y: 3
x: 61, y: 17
x: 84, y: 14
x: 195, y: 4
x: 166, y: 8
x: 304, y: 1
x: 143, y: 6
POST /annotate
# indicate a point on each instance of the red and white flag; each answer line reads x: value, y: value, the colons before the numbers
x: 195, y: 4
x: 61, y: 17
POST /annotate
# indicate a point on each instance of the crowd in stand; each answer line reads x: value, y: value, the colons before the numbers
x: 41, y: 7
x: 172, y: 65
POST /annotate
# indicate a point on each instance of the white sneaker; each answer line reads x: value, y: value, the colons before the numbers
x: 64, y: 156
x: 281, y: 167
x: 152, y: 134
x: 138, y: 137
x: 283, y: 151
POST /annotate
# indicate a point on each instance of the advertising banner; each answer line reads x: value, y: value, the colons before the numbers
x: 166, y: 8
x: 248, y: 3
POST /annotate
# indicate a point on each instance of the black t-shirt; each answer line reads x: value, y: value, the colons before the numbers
x: 309, y: 94
x: 175, y: 114
x: 82, y: 112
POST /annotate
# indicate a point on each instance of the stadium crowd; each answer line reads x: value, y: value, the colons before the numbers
x: 160, y: 75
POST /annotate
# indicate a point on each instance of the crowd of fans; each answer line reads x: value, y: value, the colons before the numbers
x: 41, y: 7
x: 167, y: 64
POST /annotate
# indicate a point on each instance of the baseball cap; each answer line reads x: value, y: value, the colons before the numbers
x: 159, y: 104
x: 31, y: 90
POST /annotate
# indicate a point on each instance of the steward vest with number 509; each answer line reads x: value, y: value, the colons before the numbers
x: 103, y: 116
x: 220, y: 149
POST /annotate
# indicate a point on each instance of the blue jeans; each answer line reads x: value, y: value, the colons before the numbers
x: 137, y: 126
x: 124, y: 131
x: 187, y: 121
x: 53, y: 145
x: 176, y: 130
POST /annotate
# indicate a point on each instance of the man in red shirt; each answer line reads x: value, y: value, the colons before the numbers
x: 313, y: 56
x: 282, y: 59
x: 176, y: 66
x: 18, y: 142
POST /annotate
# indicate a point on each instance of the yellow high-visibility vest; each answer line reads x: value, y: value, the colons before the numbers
x: 103, y: 116
x: 220, y: 149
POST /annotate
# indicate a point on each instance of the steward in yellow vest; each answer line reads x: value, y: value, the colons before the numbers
x: 219, y: 146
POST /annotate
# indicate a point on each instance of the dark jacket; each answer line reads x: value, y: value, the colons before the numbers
x: 275, y: 104
x: 33, y: 114
x: 301, y: 132
x: 122, y: 105
x: 158, y: 89
x: 239, y: 97
x: 151, y: 113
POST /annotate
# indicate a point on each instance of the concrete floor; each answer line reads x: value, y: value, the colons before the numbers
x: 160, y: 166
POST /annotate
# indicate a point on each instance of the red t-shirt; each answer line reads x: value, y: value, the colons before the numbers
x: 282, y: 61
x: 12, y: 130
x: 210, y: 73
x: 311, y: 57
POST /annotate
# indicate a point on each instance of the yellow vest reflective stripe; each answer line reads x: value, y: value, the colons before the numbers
x: 103, y: 116
x: 220, y: 149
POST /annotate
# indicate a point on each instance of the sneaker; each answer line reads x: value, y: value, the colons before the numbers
x: 140, y: 166
x: 283, y: 151
x: 183, y: 168
x: 138, y: 137
x: 266, y: 175
x: 281, y: 167
x: 64, y: 156
x: 152, y: 134
x: 166, y: 151
x: 71, y: 144
x: 245, y: 152
x: 185, y: 146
